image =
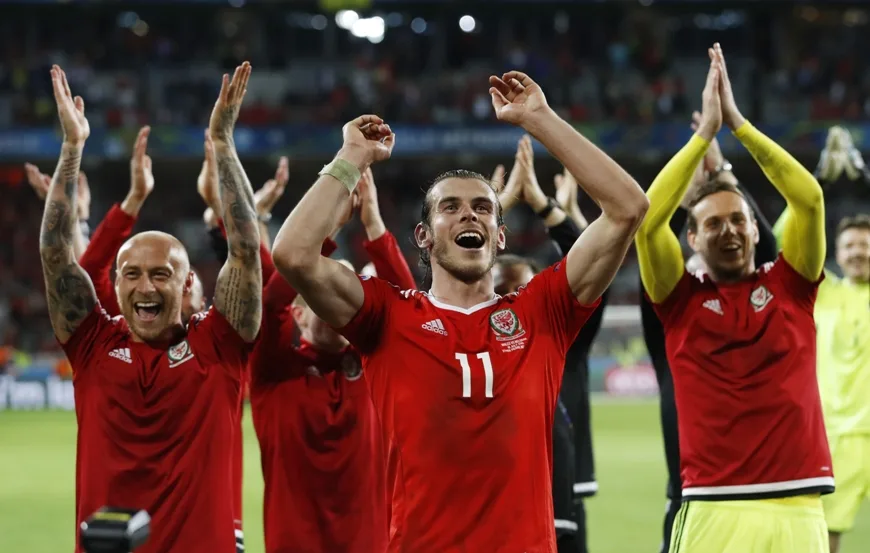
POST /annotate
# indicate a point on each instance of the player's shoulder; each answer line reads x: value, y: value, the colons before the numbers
x: 392, y: 292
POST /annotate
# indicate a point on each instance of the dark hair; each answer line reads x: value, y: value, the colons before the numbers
x: 860, y: 221
x: 511, y: 260
x: 709, y: 188
x: 426, y: 211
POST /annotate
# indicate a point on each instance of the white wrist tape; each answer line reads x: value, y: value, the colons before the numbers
x: 344, y: 171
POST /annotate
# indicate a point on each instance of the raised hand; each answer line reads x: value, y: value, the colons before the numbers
x: 71, y: 111
x: 512, y: 192
x: 731, y: 116
x: 268, y: 195
x: 497, y: 178
x: 207, y: 181
x: 366, y: 140
x: 369, y: 210
x: 516, y: 98
x: 38, y: 180
x: 711, y: 111
x: 531, y: 189
x: 566, y: 196
x: 141, y: 177
x: 229, y: 102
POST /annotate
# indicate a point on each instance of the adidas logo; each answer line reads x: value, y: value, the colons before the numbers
x: 714, y: 306
x: 435, y: 326
x: 122, y: 354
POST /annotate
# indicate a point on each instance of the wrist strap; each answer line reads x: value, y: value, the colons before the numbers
x: 551, y: 205
x: 343, y: 171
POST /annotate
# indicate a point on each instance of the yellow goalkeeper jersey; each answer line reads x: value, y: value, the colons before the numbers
x: 842, y: 315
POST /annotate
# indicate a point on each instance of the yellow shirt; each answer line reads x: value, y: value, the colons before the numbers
x: 842, y: 315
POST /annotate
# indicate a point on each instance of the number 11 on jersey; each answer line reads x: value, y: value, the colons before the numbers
x: 466, y: 372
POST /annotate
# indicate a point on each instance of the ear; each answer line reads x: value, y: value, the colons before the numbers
x: 188, y: 284
x: 692, y: 238
x: 422, y: 236
x: 501, y: 240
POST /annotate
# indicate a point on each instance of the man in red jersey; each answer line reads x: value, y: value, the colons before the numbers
x: 465, y: 382
x: 741, y: 344
x: 320, y: 445
x: 155, y: 401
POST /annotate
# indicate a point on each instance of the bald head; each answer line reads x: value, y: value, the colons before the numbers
x: 158, y: 243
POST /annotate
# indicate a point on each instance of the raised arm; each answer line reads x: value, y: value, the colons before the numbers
x: 596, y: 256
x: 69, y: 290
x: 265, y: 199
x: 332, y: 291
x: 803, y: 241
x: 239, y: 289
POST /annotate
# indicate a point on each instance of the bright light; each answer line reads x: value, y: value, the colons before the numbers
x: 394, y: 19
x: 467, y: 23
x: 318, y: 22
x: 371, y: 28
x: 346, y: 18
x: 418, y: 25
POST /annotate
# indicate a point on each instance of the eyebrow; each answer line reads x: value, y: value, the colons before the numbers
x: 478, y: 199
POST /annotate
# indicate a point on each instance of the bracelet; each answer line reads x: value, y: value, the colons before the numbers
x: 551, y: 205
x: 344, y: 172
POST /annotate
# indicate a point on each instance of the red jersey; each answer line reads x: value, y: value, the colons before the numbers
x: 743, y: 359
x: 466, y: 400
x: 155, y: 428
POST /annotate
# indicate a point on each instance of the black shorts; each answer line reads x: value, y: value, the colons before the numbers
x: 563, y: 473
x: 575, y: 395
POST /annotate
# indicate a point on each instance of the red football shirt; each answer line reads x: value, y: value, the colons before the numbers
x: 466, y: 399
x: 156, y: 428
x: 743, y: 358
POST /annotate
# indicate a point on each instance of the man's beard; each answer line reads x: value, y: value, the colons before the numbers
x: 464, y: 272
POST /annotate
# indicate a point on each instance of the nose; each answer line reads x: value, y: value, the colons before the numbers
x: 145, y: 286
x: 468, y: 214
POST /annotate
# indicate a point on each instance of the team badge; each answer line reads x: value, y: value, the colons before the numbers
x: 179, y: 353
x: 759, y: 298
x: 351, y: 367
x: 506, y: 324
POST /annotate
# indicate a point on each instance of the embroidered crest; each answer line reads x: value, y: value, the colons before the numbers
x: 760, y: 297
x: 179, y: 353
x: 505, y: 323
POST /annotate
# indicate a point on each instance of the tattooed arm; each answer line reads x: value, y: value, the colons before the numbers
x: 70, y: 292
x: 239, y: 290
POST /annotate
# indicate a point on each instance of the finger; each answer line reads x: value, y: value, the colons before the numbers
x: 498, y: 175
x: 389, y: 142
x: 499, y: 85
x: 520, y: 77
x: 146, y: 163
x: 142, y: 141
x: 696, y: 116
x: 56, y: 85
x: 80, y: 104
x: 65, y: 84
x: 516, y: 86
x: 498, y: 99
x: 363, y: 120
x: 225, y: 85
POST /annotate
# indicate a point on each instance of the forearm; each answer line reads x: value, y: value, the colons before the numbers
x: 297, y: 246
x: 803, y: 233
x: 240, y: 283
x: 69, y: 291
x: 601, y: 178
x: 658, y: 248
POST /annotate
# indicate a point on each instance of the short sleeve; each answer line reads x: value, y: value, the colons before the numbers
x: 564, y: 314
x: 801, y: 290
x: 676, y: 301
x: 365, y: 329
x: 92, y: 337
x: 215, y: 341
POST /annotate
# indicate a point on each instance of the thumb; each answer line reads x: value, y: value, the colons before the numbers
x: 80, y: 104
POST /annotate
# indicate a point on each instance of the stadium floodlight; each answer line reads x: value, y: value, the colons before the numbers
x: 346, y: 18
x: 418, y: 25
x: 467, y: 23
x: 371, y: 28
x: 318, y: 22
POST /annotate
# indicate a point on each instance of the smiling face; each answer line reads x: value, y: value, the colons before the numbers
x: 461, y: 229
x: 722, y: 230
x: 853, y: 248
x: 153, y: 278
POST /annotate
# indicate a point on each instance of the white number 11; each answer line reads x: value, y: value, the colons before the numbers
x: 466, y: 372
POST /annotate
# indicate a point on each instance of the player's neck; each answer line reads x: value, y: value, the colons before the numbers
x: 168, y: 337
x: 448, y: 289
x: 747, y: 272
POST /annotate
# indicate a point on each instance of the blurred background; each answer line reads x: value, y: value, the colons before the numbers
x: 627, y: 73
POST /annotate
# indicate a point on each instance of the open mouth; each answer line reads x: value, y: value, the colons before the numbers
x: 147, y: 311
x: 470, y: 240
x: 731, y: 248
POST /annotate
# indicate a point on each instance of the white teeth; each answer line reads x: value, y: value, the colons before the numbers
x: 470, y: 235
x: 147, y: 304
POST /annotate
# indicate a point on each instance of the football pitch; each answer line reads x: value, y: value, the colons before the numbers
x: 37, y: 468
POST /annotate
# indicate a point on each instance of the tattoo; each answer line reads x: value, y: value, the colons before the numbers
x: 68, y: 288
x: 240, y: 283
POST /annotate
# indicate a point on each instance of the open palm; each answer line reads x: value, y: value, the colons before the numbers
x: 71, y: 111
x: 515, y: 96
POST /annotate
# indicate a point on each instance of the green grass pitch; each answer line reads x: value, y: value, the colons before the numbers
x: 37, y: 464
